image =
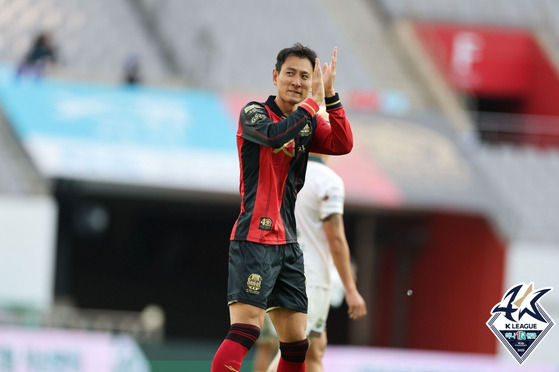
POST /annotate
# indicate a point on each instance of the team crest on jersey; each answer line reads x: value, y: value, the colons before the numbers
x: 519, y: 321
x: 254, y: 282
x: 306, y: 131
x: 265, y: 223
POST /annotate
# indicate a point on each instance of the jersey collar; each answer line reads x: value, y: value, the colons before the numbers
x: 316, y: 158
x: 271, y: 103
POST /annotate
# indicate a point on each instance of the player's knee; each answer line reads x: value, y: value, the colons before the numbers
x: 316, y: 349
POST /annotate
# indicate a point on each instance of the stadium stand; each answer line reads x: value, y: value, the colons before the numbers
x: 525, y: 177
x: 194, y: 32
x: 18, y: 175
x: 515, y: 12
x: 94, y: 38
x: 526, y: 181
x: 540, y: 16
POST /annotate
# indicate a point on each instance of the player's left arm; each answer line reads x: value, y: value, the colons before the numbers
x: 334, y: 229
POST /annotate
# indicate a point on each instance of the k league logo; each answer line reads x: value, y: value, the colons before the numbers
x: 519, y: 321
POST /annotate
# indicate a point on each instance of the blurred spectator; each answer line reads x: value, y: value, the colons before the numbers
x: 132, y: 70
x: 42, y: 54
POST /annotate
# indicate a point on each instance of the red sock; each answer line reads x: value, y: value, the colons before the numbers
x: 229, y: 357
x: 293, y: 356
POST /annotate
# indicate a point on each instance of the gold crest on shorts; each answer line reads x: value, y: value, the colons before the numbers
x: 254, y: 282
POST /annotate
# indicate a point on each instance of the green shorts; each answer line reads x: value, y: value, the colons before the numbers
x: 267, y: 276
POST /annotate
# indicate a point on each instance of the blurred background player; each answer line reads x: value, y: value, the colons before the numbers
x: 319, y: 214
x: 321, y: 234
x: 266, y: 346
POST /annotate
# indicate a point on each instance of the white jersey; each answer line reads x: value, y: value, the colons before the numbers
x: 337, y: 289
x: 322, y: 195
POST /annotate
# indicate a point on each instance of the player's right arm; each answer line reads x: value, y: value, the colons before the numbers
x: 334, y: 229
x: 256, y: 125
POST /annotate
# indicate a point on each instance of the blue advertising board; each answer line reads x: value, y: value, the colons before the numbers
x: 143, y: 135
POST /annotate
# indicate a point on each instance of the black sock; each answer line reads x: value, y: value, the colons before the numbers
x: 294, y: 351
x: 244, y: 334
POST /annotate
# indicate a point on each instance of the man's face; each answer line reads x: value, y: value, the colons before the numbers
x: 294, y: 80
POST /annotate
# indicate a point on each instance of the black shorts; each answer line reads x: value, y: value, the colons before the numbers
x: 267, y: 276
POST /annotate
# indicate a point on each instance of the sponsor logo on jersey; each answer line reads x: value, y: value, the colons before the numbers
x: 257, y: 117
x: 265, y: 223
x: 252, y: 108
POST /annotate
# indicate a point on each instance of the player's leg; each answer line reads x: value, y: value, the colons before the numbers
x: 293, y: 343
x: 319, y: 306
x: 290, y: 324
x: 247, y: 301
x: 266, y: 346
x: 246, y: 321
x: 273, y: 367
x: 264, y: 354
x: 317, y: 346
x: 289, y: 304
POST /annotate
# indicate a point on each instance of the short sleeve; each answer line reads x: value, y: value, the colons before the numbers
x: 332, y: 198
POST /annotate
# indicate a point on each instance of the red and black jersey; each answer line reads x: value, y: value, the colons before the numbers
x: 273, y: 152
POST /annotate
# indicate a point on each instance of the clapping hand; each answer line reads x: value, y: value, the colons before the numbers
x: 329, y: 74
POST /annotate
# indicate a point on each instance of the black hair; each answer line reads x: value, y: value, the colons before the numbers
x: 297, y: 50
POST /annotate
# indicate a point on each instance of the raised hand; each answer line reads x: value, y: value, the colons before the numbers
x: 329, y: 74
x: 317, y: 83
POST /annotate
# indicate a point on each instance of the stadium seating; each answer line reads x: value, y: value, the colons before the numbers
x: 17, y: 174
x: 94, y: 37
x: 513, y: 12
x: 232, y: 46
x: 183, y: 42
x: 526, y: 182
